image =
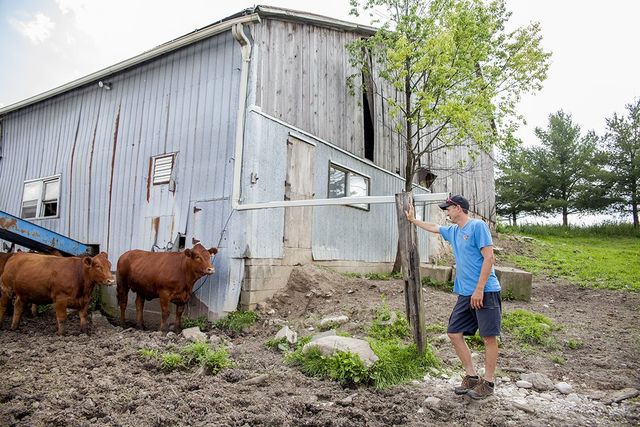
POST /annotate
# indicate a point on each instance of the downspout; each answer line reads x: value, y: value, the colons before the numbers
x: 245, y: 45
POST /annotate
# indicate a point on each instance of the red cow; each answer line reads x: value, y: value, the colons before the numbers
x: 166, y: 275
x: 45, y: 279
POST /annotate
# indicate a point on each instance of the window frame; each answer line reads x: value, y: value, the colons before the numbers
x: 348, y: 173
x: 41, y: 200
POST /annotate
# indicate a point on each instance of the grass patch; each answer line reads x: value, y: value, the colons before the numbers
x: 574, y: 344
x: 200, y: 321
x: 237, y: 321
x: 435, y: 328
x: 352, y: 275
x: 384, y: 276
x: 398, y: 361
x: 597, y: 262
x: 277, y: 344
x: 530, y: 328
x: 437, y: 284
x: 475, y: 342
x: 558, y: 360
x: 199, y: 353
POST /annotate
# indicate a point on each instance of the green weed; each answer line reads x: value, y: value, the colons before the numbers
x: 574, y: 344
x: 200, y: 321
x: 435, y: 328
x: 557, y: 359
x: 383, y: 276
x: 388, y: 325
x: 171, y: 361
x: 352, y: 275
x: 237, y: 321
x: 199, y: 353
x: 148, y: 353
x: 443, y: 286
x: 399, y: 363
x: 277, y: 344
x: 474, y: 342
x: 530, y: 328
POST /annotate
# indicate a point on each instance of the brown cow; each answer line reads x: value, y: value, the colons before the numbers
x: 45, y: 279
x: 166, y: 275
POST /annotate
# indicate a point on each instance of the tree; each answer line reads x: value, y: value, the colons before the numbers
x: 517, y: 186
x: 571, y: 168
x: 623, y: 158
x: 455, y: 73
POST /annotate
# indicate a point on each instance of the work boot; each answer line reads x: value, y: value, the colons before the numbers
x: 482, y: 390
x: 468, y: 382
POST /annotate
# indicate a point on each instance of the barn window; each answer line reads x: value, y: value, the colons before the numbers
x: 40, y: 198
x: 347, y: 183
x: 162, y: 168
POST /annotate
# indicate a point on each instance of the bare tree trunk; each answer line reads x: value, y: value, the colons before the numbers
x: 565, y: 216
x: 408, y: 240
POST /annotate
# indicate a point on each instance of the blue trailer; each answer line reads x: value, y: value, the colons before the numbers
x: 34, y: 237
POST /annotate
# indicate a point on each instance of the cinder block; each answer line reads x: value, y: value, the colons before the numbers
x: 439, y: 273
x: 515, y: 283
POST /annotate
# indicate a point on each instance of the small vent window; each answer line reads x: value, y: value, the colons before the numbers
x: 346, y: 183
x: 162, y: 168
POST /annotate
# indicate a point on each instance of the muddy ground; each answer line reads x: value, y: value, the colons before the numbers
x: 100, y: 380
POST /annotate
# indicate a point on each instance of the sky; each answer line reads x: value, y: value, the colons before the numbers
x: 595, y: 67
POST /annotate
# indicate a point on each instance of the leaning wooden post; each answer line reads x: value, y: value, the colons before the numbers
x: 411, y: 269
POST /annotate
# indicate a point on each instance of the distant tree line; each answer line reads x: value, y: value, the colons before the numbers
x: 573, y: 173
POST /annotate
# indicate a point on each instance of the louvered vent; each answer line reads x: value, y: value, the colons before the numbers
x: 162, y: 168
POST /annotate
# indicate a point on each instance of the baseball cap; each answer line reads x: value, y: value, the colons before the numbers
x: 455, y: 200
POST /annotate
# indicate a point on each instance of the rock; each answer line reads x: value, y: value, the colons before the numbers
x: 194, y: 334
x: 329, y: 333
x: 271, y: 312
x: 505, y: 379
x: 539, y: 381
x: 347, y: 401
x: 332, y: 344
x: 524, y: 407
x: 334, y: 320
x: 442, y: 338
x: 524, y: 384
x: 171, y: 334
x: 215, y: 340
x: 620, y: 395
x: 285, y: 332
x: 546, y: 396
x: 564, y: 388
x: 256, y: 380
x: 432, y: 401
x: 572, y: 397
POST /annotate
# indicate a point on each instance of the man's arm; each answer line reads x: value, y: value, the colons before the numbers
x: 485, y: 271
x: 429, y: 226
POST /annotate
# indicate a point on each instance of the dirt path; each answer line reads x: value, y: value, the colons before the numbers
x: 99, y: 380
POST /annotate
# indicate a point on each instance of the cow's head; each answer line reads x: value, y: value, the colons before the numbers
x: 200, y: 259
x: 99, y: 269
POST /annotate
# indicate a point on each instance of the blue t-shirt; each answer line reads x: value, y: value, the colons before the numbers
x: 466, y: 243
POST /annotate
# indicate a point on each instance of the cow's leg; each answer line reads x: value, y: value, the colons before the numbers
x: 34, y: 310
x: 177, y: 324
x: 83, y: 318
x: 123, y: 297
x: 164, y: 308
x: 61, y: 315
x: 5, y: 299
x: 18, y: 307
x: 139, y: 311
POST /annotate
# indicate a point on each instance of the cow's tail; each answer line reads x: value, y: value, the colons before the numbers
x: 123, y: 296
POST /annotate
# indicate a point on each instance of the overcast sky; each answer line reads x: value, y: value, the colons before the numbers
x: 595, y: 68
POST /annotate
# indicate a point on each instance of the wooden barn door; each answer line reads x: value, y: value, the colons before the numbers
x: 298, y: 221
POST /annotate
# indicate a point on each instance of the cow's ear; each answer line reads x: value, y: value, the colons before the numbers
x: 213, y: 251
x: 87, y: 261
x: 187, y: 252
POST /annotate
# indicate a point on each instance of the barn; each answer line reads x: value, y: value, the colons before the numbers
x: 194, y: 138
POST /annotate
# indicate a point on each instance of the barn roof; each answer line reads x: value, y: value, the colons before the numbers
x: 250, y: 15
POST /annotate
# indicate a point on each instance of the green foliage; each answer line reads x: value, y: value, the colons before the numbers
x: 352, y: 275
x: 515, y: 179
x: 474, y: 341
x: 384, y: 276
x: 399, y: 363
x: 574, y: 344
x: 432, y: 283
x: 622, y: 157
x: 435, y: 328
x: 277, y: 344
x: 237, y: 321
x: 199, y: 353
x: 456, y: 73
x: 599, y: 261
x: 171, y: 361
x: 507, y: 295
x: 530, y: 328
x: 388, y: 325
x: 200, y: 321
x: 558, y: 359
x: 45, y: 308
x: 347, y: 369
x: 605, y: 229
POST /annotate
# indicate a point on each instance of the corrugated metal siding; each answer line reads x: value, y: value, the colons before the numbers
x: 102, y: 141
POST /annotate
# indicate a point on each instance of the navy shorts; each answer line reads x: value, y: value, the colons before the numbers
x: 468, y: 320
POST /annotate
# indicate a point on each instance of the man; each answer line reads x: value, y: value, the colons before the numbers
x: 479, y: 305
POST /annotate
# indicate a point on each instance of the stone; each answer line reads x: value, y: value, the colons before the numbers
x: 572, y: 397
x: 564, y: 388
x: 620, y: 395
x: 524, y: 407
x: 194, y: 334
x: 332, y: 344
x: 215, y: 340
x: 539, y: 381
x: 334, y: 320
x: 514, y: 282
x: 285, y: 332
x: 524, y: 384
x: 329, y: 333
x: 432, y: 401
x: 256, y: 380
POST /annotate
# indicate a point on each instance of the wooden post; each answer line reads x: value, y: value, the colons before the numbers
x: 408, y: 239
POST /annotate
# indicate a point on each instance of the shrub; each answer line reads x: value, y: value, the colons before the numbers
x: 237, y: 321
x: 530, y: 328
